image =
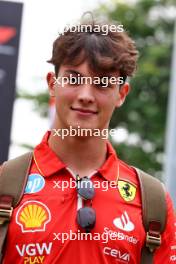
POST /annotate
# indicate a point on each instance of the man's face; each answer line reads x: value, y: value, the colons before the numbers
x: 85, y: 105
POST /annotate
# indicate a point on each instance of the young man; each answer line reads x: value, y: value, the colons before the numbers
x: 64, y: 216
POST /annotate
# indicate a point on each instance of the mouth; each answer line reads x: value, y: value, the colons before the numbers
x: 84, y: 111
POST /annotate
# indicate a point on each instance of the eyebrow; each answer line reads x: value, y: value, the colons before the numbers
x: 70, y: 71
x: 77, y: 72
x: 73, y: 72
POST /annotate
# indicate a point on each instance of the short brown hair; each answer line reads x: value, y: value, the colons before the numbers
x: 104, y: 53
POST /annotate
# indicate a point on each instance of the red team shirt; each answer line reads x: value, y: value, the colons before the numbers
x: 44, y: 229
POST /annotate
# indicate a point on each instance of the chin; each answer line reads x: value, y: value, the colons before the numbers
x: 79, y: 124
x: 85, y: 126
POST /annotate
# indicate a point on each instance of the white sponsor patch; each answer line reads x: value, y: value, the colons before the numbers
x: 34, y: 249
x: 118, y: 254
x: 124, y: 223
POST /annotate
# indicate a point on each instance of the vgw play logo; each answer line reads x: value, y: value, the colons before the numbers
x: 35, y: 183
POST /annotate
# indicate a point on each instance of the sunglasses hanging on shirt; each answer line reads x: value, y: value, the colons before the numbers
x: 86, y: 216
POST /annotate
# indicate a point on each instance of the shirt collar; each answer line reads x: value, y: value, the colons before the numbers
x: 49, y: 163
x: 45, y: 159
x: 110, y: 168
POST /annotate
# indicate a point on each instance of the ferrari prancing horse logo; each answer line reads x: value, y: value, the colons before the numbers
x: 127, y: 190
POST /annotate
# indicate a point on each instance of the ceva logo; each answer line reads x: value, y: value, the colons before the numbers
x: 116, y: 253
x: 6, y: 34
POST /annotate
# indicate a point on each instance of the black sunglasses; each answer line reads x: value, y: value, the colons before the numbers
x: 86, y: 216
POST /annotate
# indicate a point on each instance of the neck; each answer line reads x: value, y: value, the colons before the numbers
x: 81, y: 155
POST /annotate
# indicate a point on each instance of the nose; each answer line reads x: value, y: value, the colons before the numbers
x: 86, y: 94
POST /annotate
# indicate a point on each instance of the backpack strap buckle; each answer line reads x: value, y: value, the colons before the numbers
x: 153, y: 236
x: 6, y: 208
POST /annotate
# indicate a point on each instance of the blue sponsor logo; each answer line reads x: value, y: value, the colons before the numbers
x: 35, y: 183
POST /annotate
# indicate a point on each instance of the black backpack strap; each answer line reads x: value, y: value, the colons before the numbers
x: 154, y: 213
x: 13, y: 179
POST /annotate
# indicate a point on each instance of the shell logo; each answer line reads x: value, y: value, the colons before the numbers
x: 33, y: 216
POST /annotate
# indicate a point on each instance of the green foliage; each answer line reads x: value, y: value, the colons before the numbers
x: 40, y: 101
x: 144, y: 111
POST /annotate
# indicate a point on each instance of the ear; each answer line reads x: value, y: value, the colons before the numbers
x: 51, y: 80
x: 123, y: 92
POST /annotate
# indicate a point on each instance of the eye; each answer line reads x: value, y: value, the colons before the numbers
x: 73, y: 79
x: 104, y: 83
